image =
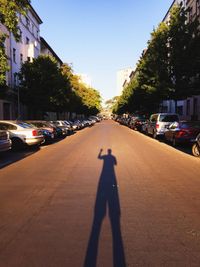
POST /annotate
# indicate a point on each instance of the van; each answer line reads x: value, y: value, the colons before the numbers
x: 159, y: 123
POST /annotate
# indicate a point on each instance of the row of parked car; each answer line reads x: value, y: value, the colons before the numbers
x: 20, y: 134
x: 167, y: 126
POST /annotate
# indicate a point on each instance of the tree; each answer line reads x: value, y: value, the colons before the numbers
x: 85, y: 100
x: 43, y: 87
x: 151, y: 82
x: 193, y: 58
x: 3, y: 62
x: 153, y: 77
x: 179, y: 41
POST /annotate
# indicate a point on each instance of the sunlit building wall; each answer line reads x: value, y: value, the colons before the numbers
x: 123, y: 76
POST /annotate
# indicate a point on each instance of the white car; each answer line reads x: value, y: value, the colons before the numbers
x: 159, y: 123
x: 22, y: 134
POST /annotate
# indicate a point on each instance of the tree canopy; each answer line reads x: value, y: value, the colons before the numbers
x: 49, y: 88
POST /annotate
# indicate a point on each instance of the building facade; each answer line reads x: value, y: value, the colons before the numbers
x: 26, y: 49
x: 123, y: 78
x: 193, y: 7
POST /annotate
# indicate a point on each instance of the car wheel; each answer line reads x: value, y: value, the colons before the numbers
x: 154, y: 134
x: 174, y: 142
x: 195, y: 150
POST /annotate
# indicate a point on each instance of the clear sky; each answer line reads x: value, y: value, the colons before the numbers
x: 100, y: 37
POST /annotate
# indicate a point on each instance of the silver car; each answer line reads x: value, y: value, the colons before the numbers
x: 22, y: 134
x: 159, y: 123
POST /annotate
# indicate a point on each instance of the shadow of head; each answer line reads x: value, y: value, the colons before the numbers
x: 109, y: 151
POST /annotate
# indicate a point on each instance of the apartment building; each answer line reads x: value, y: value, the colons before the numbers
x: 26, y: 49
x: 193, y: 7
x: 175, y: 2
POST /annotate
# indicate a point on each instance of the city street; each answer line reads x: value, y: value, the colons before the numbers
x: 106, y: 196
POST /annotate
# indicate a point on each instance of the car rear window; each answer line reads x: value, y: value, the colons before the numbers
x: 168, y: 118
x: 24, y: 125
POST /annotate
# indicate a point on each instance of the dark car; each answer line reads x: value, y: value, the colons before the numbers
x: 62, y: 125
x: 137, y: 122
x: 183, y: 132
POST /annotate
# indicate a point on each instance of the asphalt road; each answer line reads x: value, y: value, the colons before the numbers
x: 136, y: 203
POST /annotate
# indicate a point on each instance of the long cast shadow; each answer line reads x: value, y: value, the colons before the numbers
x: 107, y: 199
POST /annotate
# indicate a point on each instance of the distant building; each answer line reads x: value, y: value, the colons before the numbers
x: 47, y: 50
x: 123, y: 78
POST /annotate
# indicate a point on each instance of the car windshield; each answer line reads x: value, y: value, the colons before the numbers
x: 168, y: 118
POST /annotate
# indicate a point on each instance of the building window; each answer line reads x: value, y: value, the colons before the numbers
x: 190, y: 13
x: 180, y: 110
x: 198, y: 7
x: 14, y: 55
x: 20, y: 35
x: 28, y: 59
x: 27, y: 22
x: 21, y: 59
x: 27, y: 40
x: 15, y: 78
x: 188, y: 107
x: 37, y: 34
x: 6, y: 111
x: 195, y: 106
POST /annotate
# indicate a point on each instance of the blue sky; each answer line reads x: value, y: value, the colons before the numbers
x: 99, y: 37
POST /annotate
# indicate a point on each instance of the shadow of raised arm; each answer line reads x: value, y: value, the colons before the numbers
x: 99, y: 155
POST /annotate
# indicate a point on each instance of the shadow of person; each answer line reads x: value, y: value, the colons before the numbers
x: 107, y: 199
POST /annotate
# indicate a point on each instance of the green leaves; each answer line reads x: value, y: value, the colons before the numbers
x: 3, y: 61
x: 9, y: 14
x: 49, y: 88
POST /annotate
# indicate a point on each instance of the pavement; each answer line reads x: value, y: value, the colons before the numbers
x: 135, y: 203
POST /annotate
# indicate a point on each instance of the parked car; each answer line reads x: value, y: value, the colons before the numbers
x: 70, y: 126
x: 184, y: 132
x: 137, y: 122
x: 62, y: 125
x: 22, y: 134
x: 48, y: 131
x: 159, y: 123
x: 5, y: 142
